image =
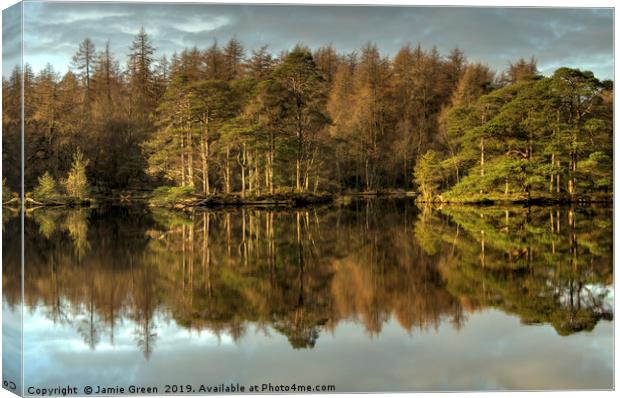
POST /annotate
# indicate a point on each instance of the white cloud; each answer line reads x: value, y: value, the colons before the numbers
x: 197, y: 24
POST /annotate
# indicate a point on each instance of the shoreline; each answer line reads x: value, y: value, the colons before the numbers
x: 536, y: 200
x: 304, y: 199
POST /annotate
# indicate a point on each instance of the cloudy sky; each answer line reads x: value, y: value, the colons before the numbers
x: 580, y: 38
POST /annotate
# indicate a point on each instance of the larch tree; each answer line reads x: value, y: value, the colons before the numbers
x: 370, y: 110
x: 141, y: 77
x: 107, y: 80
x: 76, y: 183
x: 327, y: 61
x: 234, y: 55
x: 214, y: 62
x: 342, y: 130
x: 84, y: 63
x: 47, y: 112
x: 260, y: 64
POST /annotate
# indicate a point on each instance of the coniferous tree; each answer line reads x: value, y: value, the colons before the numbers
x: 234, y: 54
x: 428, y: 175
x: 76, y: 183
x: 370, y: 112
x: 141, y: 77
x: 47, y: 188
x: 303, y: 84
x: 84, y: 62
x: 215, y: 62
x: 260, y: 64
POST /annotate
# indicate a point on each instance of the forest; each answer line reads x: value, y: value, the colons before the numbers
x: 225, y: 120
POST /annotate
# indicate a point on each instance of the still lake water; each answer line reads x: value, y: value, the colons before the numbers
x: 371, y: 295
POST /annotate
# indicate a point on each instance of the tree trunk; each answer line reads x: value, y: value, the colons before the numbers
x: 227, y: 175
x: 551, y: 176
x: 570, y: 176
x: 482, y: 157
x: 250, y: 163
x: 182, y: 159
x: 267, y: 174
x: 557, y: 177
x: 298, y: 174
x: 190, y: 158
x: 243, y: 163
x: 205, y: 171
x: 298, y: 160
x: 206, y: 165
x: 573, y: 173
x: 271, y: 151
x: 257, y: 172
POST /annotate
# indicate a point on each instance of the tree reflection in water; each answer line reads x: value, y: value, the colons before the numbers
x: 301, y: 272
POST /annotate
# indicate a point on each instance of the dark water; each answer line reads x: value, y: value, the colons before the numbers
x: 371, y: 295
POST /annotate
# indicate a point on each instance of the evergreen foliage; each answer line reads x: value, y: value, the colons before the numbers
x: 537, y: 137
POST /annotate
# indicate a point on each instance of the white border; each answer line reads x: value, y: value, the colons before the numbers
x: 479, y: 3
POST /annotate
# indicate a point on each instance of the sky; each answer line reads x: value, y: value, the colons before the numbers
x: 581, y: 38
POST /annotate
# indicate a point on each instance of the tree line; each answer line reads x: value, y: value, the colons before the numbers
x: 224, y: 119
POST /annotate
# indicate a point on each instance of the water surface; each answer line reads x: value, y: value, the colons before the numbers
x: 371, y: 295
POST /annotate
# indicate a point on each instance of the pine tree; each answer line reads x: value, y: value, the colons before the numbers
x: 531, y: 137
x: 211, y: 104
x: 304, y: 86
